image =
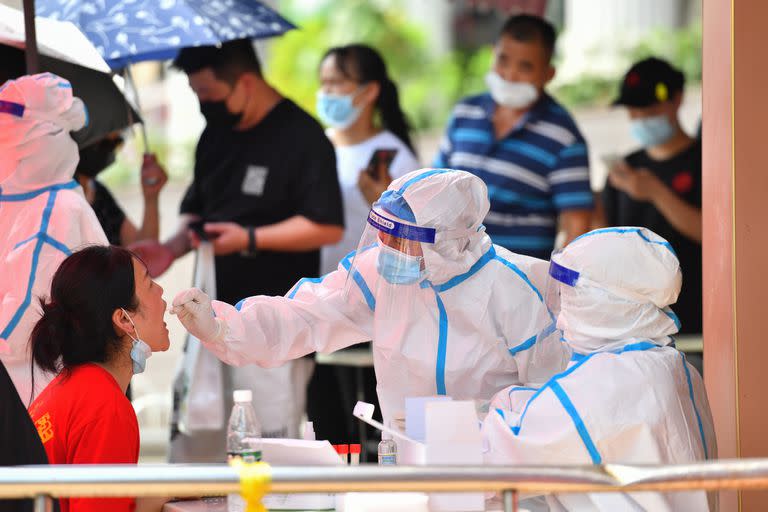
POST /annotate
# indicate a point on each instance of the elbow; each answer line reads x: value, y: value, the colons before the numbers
x: 332, y: 235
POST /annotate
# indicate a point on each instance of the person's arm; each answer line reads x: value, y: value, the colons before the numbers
x: 642, y: 185
x: 575, y: 223
x: 683, y: 216
x: 316, y: 315
x: 571, y: 190
x: 443, y: 157
x: 148, y: 504
x: 159, y: 256
x: 599, y: 218
x: 295, y: 234
x: 153, y: 179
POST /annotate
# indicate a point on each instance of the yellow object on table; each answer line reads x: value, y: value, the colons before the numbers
x: 255, y: 480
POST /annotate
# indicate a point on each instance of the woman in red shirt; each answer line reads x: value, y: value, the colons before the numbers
x: 103, y: 319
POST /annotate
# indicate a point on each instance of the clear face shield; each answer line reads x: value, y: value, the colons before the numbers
x: 550, y: 353
x: 389, y: 270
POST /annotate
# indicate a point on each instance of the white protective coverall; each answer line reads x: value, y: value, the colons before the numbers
x: 627, y: 396
x: 43, y: 213
x: 467, y: 331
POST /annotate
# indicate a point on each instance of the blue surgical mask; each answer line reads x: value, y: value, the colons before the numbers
x: 652, y: 131
x: 337, y: 110
x: 397, y: 267
x: 140, y: 351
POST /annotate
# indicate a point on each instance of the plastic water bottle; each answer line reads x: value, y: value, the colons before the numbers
x: 244, y: 432
x: 387, y: 450
x: 243, y: 439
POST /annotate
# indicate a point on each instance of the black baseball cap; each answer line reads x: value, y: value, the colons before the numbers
x: 649, y: 82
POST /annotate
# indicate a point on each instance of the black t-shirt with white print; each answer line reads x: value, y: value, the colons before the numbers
x: 282, y: 167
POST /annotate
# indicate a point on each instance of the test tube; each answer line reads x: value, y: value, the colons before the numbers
x: 344, y: 453
x: 354, y: 454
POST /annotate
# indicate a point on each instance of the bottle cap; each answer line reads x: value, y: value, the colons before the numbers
x: 354, y: 448
x: 343, y: 449
x: 243, y: 395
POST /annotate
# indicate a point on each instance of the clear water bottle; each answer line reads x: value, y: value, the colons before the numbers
x: 387, y: 450
x: 243, y: 439
x: 244, y: 432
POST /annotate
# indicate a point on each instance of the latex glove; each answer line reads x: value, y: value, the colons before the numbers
x: 193, y: 307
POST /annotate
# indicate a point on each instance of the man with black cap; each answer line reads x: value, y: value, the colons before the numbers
x: 659, y: 185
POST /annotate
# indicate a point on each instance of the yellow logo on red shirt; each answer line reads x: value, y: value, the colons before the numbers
x: 44, y: 427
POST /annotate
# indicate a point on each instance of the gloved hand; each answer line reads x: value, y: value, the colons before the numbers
x: 193, y: 307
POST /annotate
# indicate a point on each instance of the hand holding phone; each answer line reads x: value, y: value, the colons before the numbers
x: 381, y: 161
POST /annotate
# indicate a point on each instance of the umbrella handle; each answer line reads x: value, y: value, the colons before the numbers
x: 129, y: 78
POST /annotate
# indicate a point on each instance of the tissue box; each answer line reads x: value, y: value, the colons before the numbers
x: 299, y: 452
x: 453, y: 438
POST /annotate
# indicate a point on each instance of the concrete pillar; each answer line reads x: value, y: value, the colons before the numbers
x: 735, y: 108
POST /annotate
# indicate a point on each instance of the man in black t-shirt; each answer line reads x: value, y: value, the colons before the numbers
x: 659, y: 186
x: 265, y: 185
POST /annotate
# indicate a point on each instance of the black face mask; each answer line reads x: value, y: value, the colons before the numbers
x: 217, y: 114
x: 97, y: 157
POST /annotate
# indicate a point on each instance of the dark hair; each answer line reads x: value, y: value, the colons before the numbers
x: 76, y: 326
x: 363, y: 64
x: 228, y: 61
x: 526, y: 28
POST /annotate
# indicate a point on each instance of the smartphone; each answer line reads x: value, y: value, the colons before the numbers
x: 197, y: 227
x: 380, y: 157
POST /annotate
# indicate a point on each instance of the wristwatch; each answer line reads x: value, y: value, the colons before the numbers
x: 251, y: 250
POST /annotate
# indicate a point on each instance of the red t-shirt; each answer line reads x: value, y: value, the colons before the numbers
x: 83, y: 417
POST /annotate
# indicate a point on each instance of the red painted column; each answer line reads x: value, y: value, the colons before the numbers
x: 735, y: 198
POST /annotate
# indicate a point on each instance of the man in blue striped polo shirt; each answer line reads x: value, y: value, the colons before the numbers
x: 523, y: 144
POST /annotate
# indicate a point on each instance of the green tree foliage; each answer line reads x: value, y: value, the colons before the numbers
x: 429, y: 85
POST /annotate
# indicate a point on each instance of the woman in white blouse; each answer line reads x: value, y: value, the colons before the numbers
x: 360, y: 105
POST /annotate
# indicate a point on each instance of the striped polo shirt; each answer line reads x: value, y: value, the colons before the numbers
x: 540, y: 168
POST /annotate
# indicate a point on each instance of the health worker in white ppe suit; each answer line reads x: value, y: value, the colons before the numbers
x: 627, y: 396
x: 448, y: 312
x: 43, y: 213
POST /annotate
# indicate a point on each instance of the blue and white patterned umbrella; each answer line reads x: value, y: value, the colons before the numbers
x: 129, y: 31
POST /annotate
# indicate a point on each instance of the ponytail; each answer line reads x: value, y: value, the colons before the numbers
x: 50, y: 334
x: 392, y: 116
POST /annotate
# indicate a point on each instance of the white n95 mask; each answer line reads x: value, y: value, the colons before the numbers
x: 510, y: 94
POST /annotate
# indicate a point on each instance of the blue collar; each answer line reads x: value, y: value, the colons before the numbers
x: 457, y: 280
x: 632, y: 347
x: 34, y: 193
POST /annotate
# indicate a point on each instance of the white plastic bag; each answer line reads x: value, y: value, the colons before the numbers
x: 199, y: 383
